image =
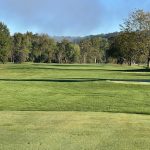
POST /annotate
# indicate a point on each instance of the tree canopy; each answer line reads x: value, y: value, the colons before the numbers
x: 131, y: 45
x: 5, y: 43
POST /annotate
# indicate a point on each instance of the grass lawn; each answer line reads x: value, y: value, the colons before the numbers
x: 46, y: 87
x: 65, y: 107
x: 73, y: 131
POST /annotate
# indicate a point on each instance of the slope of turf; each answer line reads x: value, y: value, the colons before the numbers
x: 48, y: 87
x: 62, y: 107
x: 73, y: 131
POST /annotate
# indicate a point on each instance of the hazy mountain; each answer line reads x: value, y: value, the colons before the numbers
x: 77, y: 39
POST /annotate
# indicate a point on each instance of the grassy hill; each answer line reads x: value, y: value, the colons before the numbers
x: 50, y: 106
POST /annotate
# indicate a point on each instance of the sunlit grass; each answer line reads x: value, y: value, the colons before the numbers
x: 65, y: 107
x: 74, y: 88
x: 73, y: 130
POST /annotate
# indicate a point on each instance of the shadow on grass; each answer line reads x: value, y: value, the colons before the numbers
x: 137, y: 70
x: 66, y: 68
x: 58, y: 69
x: 81, y: 110
x: 76, y: 80
x: 128, y: 112
x: 72, y: 65
x: 56, y: 80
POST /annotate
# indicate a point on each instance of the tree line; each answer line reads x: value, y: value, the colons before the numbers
x: 41, y: 48
x: 131, y: 45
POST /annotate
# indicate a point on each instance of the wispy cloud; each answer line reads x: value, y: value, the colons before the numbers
x: 67, y: 17
x: 54, y: 16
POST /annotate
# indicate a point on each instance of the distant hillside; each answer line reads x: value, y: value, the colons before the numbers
x: 107, y: 36
x: 70, y: 38
x: 77, y: 39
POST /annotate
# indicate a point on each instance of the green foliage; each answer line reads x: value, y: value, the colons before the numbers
x: 93, y: 50
x: 76, y: 53
x: 20, y: 48
x: 123, y: 48
x: 5, y: 42
x: 132, y: 44
x: 67, y: 52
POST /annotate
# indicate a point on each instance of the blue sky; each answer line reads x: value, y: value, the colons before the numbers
x: 67, y: 17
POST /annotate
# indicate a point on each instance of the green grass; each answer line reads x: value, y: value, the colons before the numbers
x: 47, y: 87
x: 73, y: 131
x: 63, y: 107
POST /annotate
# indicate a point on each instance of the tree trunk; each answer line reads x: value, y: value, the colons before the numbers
x: 148, y: 61
x: 49, y: 58
x: 95, y: 60
x: 66, y: 60
x: 84, y: 59
x: 130, y: 62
